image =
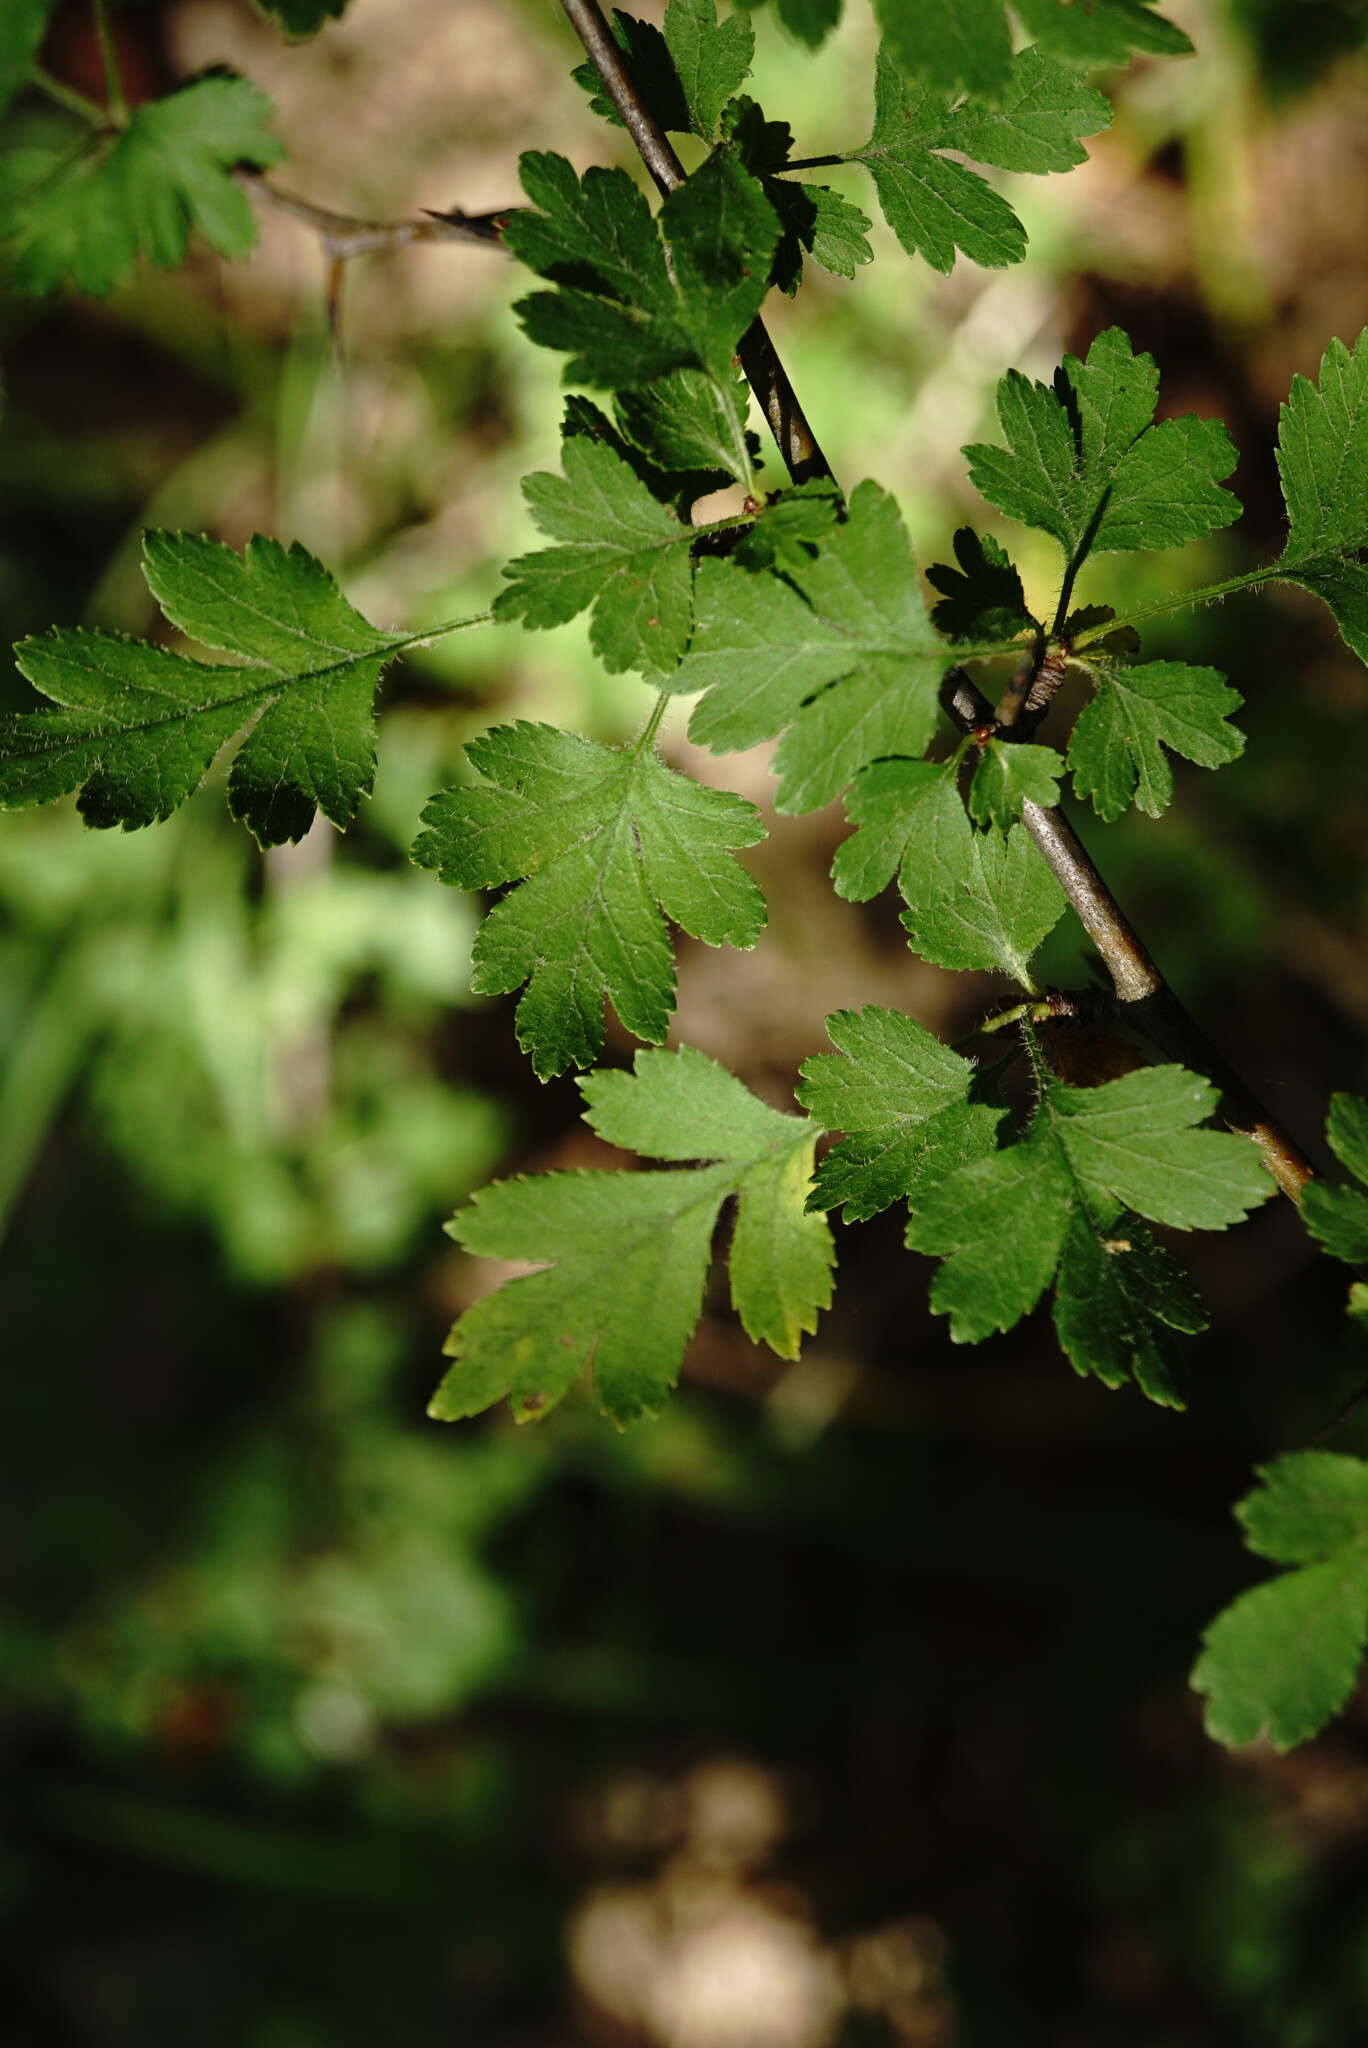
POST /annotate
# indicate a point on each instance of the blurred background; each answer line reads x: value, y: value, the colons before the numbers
x: 845, y: 1706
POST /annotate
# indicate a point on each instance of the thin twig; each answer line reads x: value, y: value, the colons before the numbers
x: 765, y: 373
x: 1145, y: 997
x: 344, y: 235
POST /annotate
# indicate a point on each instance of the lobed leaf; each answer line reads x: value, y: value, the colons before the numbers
x: 841, y: 653
x: 1338, y: 1216
x: 624, y: 312
x: 1084, y: 462
x: 905, y: 1100
x: 625, y: 1255
x: 983, y: 598
x: 624, y: 557
x: 1060, y: 1204
x: 139, y: 726
x: 1116, y: 749
x: 974, y: 899
x: 1007, y: 775
x: 168, y: 174
x: 934, y: 204
x: 1284, y: 1656
x: 965, y: 44
x: 1323, y: 463
x: 603, y: 845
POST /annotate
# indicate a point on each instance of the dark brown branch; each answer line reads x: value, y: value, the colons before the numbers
x: 764, y: 372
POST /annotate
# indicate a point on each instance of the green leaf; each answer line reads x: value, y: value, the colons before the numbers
x: 1323, y: 462
x: 957, y: 44
x: 1135, y: 1140
x: 622, y: 554
x: 687, y: 422
x: 951, y: 44
x: 935, y: 205
x: 999, y: 1225
x: 652, y: 70
x: 905, y: 1100
x: 1308, y: 1506
x: 1116, y: 749
x: 1007, y: 775
x: 303, y: 18
x: 1053, y: 1206
x: 626, y: 1254
x: 1084, y: 463
x: 791, y: 526
x: 1347, y: 1130
x: 1103, y: 31
x: 808, y: 21
x: 847, y: 660
x: 983, y: 598
x: 1338, y: 1217
x: 1283, y: 1657
x: 611, y: 843
x: 168, y: 173
x: 974, y: 899
x: 22, y: 26
x: 624, y: 313
x: 140, y: 725
x: 814, y: 220
x: 1111, y: 1293
x: 712, y: 59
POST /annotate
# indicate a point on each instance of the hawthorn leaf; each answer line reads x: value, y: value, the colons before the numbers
x: 807, y: 21
x: 842, y: 654
x: 139, y: 725
x: 1102, y: 31
x: 603, y: 844
x: 1283, y: 1657
x: 170, y: 172
x: 622, y: 555
x: 983, y: 598
x: 625, y: 1255
x: 22, y: 26
x: 974, y: 899
x: 1308, y: 1506
x: 1136, y: 1140
x: 999, y: 1225
x: 905, y: 1100
x: 685, y: 423
x: 791, y: 526
x: 1112, y: 1292
x: 622, y: 311
x: 934, y: 204
x: 624, y: 1259
x: 814, y: 220
x: 1084, y: 462
x: 1337, y: 1216
x: 952, y: 44
x: 683, y: 1105
x: 1116, y: 749
x: 1323, y: 463
x: 1008, y: 773
x: 1054, y: 1205
x: 712, y: 59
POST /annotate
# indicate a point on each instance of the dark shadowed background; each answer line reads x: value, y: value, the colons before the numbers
x: 845, y: 1704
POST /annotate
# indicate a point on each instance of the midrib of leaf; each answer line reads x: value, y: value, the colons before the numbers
x: 267, y: 690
